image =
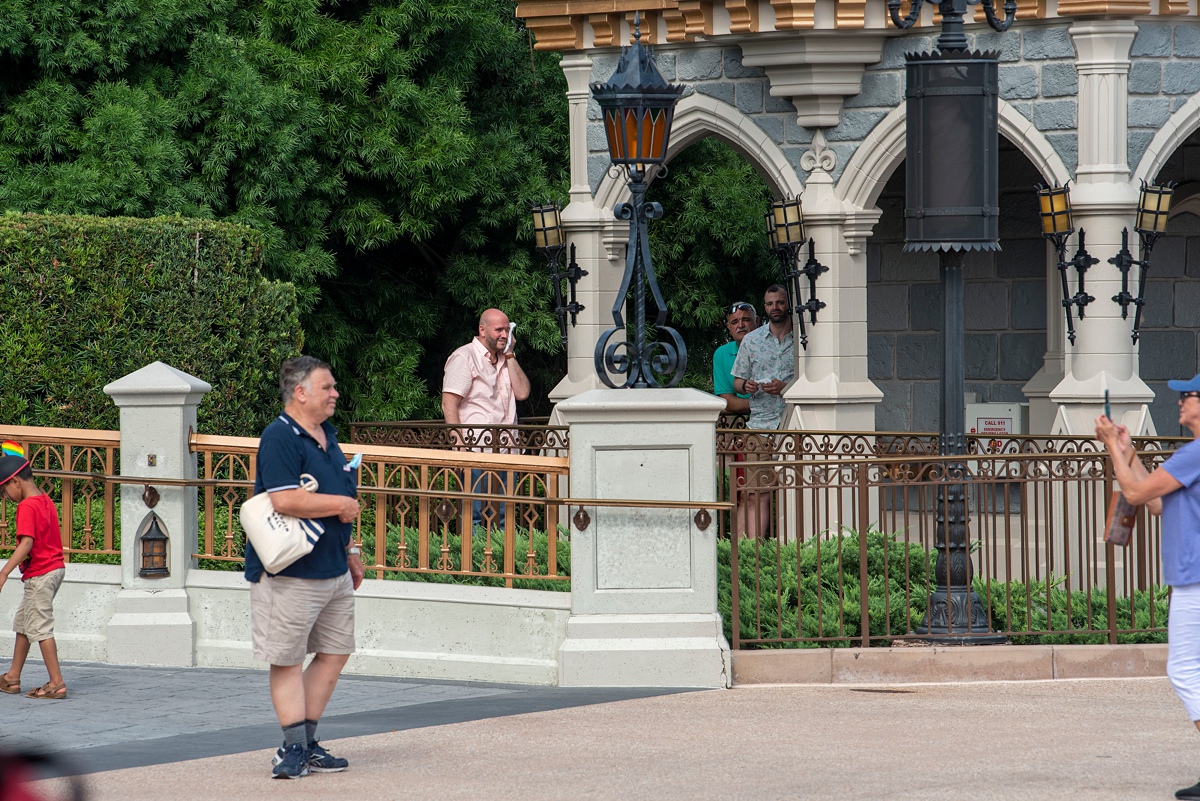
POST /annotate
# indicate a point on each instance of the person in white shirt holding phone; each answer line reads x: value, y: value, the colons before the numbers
x: 765, y: 364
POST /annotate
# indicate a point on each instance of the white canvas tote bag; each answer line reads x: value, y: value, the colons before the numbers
x: 279, y: 539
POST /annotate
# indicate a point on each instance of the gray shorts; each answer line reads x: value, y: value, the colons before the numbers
x: 292, y: 617
x: 35, y: 614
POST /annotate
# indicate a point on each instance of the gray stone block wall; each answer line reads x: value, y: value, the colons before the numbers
x: 1006, y: 303
x: 718, y: 72
x: 1004, y: 307
x: 1169, y: 347
x: 1166, y: 63
x: 1037, y: 77
x: 1170, y: 332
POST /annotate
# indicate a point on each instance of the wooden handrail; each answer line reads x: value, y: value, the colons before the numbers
x: 439, y: 458
x: 61, y: 436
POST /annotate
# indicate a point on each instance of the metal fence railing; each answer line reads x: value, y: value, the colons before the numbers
x: 424, y: 511
x: 70, y: 464
x: 837, y: 512
x: 528, y: 439
x: 833, y: 542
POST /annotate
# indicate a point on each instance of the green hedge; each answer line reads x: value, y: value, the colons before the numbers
x: 88, y: 300
x: 833, y: 576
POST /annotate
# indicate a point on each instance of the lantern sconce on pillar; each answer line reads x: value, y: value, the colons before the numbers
x: 1056, y: 227
x: 1154, y: 205
x: 550, y: 238
x: 152, y: 540
x: 785, y: 236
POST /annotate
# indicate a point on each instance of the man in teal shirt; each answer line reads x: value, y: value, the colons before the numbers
x: 740, y: 320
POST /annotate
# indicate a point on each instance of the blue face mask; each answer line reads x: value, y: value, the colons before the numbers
x: 355, y: 462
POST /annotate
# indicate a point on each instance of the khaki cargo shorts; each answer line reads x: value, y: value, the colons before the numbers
x: 292, y: 617
x: 35, y: 614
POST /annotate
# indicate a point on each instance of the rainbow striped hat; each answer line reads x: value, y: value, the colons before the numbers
x: 12, y: 460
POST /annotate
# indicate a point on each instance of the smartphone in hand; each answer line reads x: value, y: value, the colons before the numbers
x: 1107, y: 406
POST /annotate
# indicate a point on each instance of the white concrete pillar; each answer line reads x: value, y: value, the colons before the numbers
x: 1042, y: 409
x: 152, y: 625
x: 643, y: 581
x: 1103, y: 202
x: 832, y: 390
x: 598, y: 239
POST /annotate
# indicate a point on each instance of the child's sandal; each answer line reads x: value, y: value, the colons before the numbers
x: 48, y: 692
x: 9, y: 686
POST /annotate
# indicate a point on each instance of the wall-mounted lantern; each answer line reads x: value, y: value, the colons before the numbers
x: 1057, y: 225
x: 152, y: 540
x: 785, y: 236
x: 1154, y: 205
x: 550, y: 238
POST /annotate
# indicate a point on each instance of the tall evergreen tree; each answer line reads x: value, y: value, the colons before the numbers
x: 387, y: 151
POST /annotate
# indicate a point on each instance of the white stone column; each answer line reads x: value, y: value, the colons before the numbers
x: 592, y: 229
x: 152, y: 624
x: 1042, y: 410
x: 643, y: 581
x: 1103, y: 202
x: 832, y: 390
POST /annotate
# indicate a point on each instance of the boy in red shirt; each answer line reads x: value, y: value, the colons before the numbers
x: 39, y: 552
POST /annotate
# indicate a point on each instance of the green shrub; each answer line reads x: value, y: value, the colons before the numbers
x: 830, y: 570
x: 770, y: 594
x: 1073, y: 616
x: 89, y: 300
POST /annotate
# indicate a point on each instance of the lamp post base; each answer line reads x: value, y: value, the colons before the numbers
x: 957, y: 617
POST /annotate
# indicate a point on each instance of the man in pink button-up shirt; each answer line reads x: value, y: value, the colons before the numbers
x: 482, y: 385
x: 483, y: 382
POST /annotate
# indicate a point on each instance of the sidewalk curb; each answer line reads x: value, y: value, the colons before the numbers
x: 947, y: 664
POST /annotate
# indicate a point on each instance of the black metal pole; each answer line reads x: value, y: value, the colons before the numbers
x: 638, y: 230
x: 560, y: 309
x: 643, y: 363
x: 955, y: 613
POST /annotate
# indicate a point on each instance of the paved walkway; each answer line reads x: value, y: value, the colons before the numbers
x: 198, y: 734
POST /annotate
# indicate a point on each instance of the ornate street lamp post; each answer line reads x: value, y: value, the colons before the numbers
x: 952, y: 206
x: 638, y: 105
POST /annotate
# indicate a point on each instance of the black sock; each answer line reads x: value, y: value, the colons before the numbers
x: 310, y: 730
x: 294, y: 735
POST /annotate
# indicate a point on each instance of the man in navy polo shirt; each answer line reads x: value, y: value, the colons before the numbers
x: 308, y: 607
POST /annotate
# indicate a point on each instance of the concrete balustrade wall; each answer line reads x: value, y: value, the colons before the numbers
x: 434, y: 631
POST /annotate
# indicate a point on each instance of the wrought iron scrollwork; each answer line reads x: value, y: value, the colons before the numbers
x: 952, y: 11
x: 655, y: 363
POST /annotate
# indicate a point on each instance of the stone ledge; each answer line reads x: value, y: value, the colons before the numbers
x: 947, y: 664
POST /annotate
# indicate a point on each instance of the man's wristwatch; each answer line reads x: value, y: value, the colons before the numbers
x: 354, y: 550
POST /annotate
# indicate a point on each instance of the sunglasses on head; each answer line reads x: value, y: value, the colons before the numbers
x: 737, y: 307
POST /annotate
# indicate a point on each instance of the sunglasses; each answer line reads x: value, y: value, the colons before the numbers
x: 1185, y: 395
x: 737, y: 307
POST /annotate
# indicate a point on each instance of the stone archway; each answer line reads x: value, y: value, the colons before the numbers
x: 1011, y: 353
x: 1181, y: 125
x: 873, y: 162
x: 698, y: 116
